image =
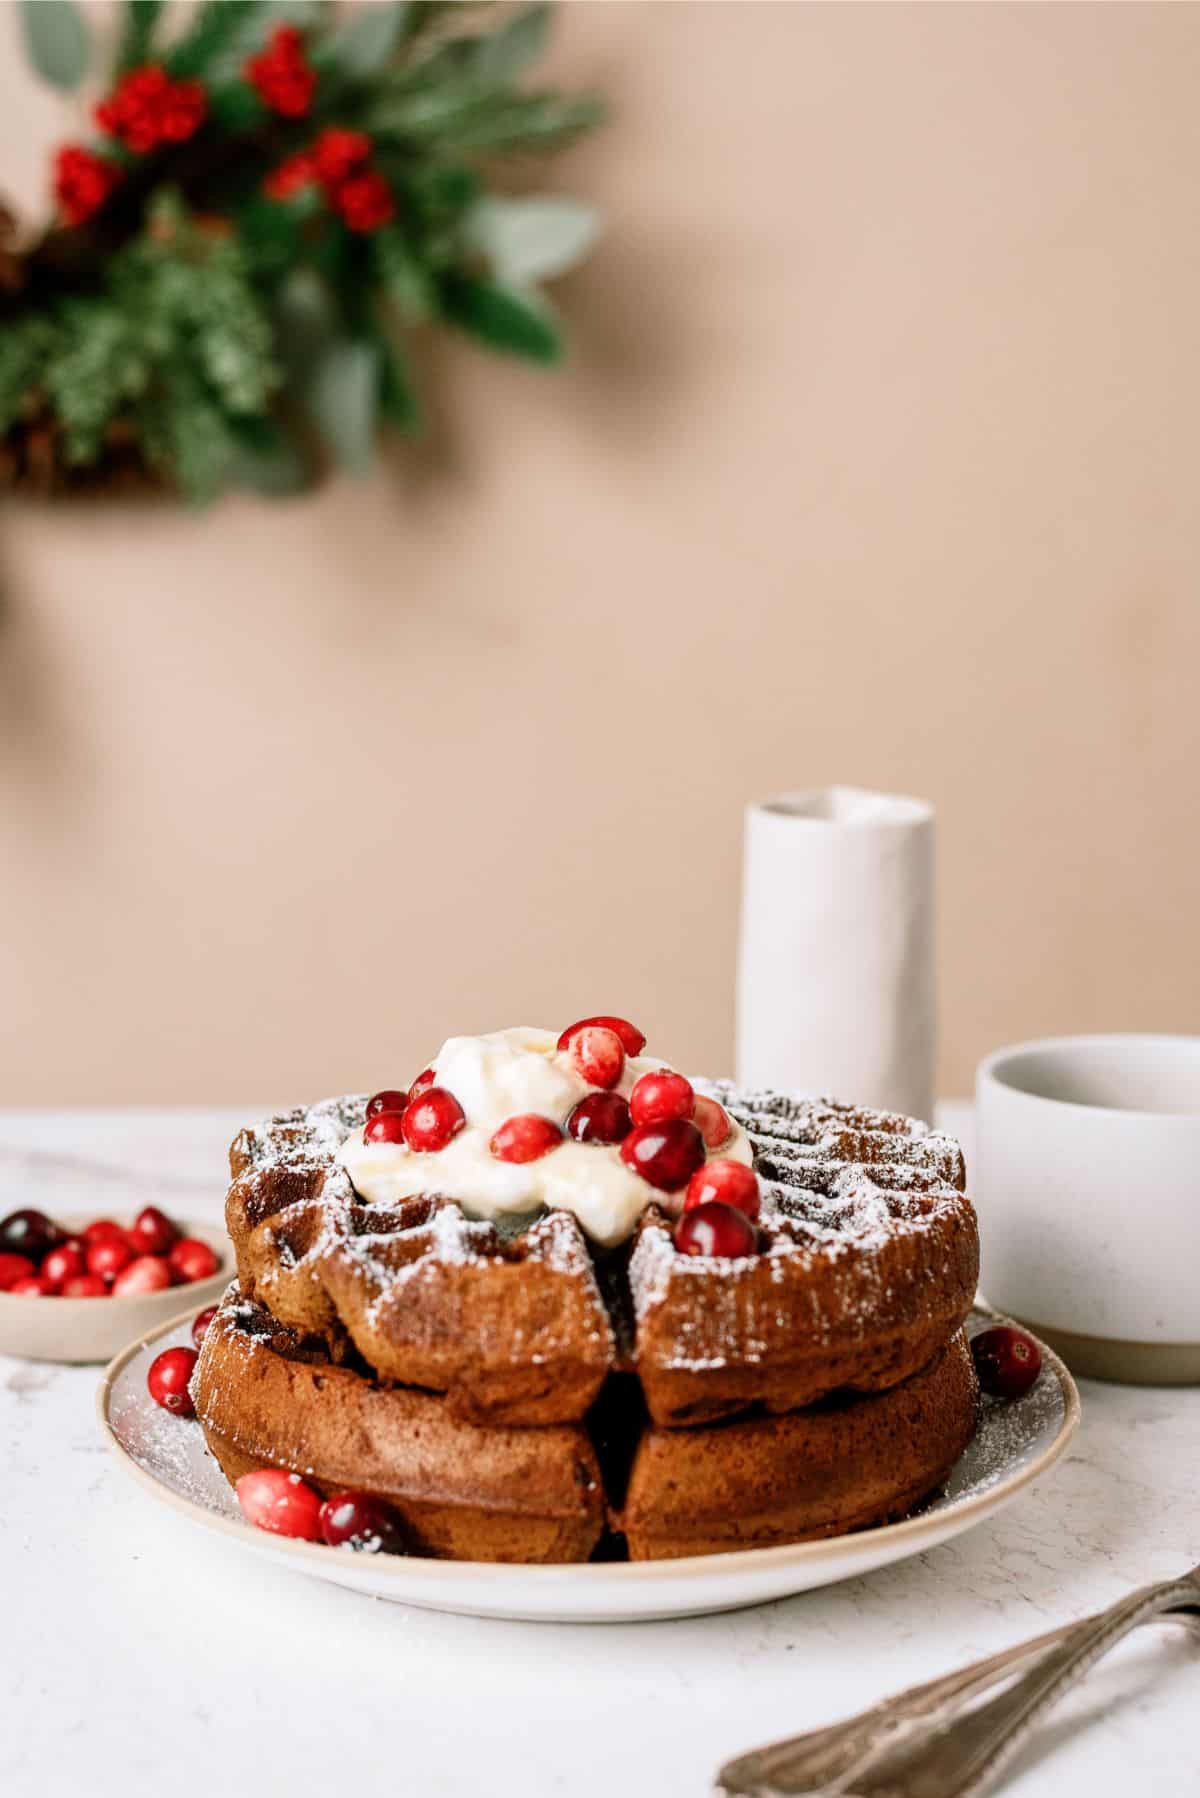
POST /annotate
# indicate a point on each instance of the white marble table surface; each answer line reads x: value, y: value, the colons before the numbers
x: 140, y: 1657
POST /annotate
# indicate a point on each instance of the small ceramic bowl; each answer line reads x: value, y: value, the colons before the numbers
x: 1087, y: 1180
x: 83, y: 1330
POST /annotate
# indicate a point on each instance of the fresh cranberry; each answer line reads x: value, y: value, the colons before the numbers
x: 422, y: 1083
x: 385, y: 1126
x: 660, y: 1095
x: 149, y: 1273
x: 600, y: 1118
x: 357, y: 1520
x: 1006, y: 1360
x: 152, y: 1232
x: 598, y: 1055
x: 526, y: 1137
x: 192, y: 1259
x: 85, y: 1286
x: 725, y: 1183
x: 201, y: 1322
x: 281, y: 1503
x: 103, y: 1229
x: 29, y: 1233
x: 667, y: 1155
x: 34, y: 1287
x: 109, y: 1257
x: 715, y: 1229
x: 633, y: 1040
x: 62, y: 1263
x: 168, y: 1380
x: 712, y: 1121
x: 388, y: 1100
x: 433, y: 1119
x: 14, y: 1268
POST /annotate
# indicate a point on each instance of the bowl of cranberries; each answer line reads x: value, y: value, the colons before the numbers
x: 78, y: 1289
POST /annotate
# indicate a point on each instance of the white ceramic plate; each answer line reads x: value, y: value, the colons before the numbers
x: 82, y: 1330
x: 1014, y: 1444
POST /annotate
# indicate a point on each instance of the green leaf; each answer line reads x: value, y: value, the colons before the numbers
x: 532, y: 239
x: 267, y: 460
x: 397, y: 395
x: 56, y: 39
x: 505, y: 54
x: 137, y: 33
x: 468, y: 116
x: 367, y: 41
x: 407, y: 283
x: 214, y: 26
x: 520, y: 323
x: 341, y: 395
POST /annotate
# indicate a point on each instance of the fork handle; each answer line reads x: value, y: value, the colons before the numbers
x: 959, y: 1759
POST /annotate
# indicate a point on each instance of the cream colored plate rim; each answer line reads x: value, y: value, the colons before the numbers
x: 910, y: 1533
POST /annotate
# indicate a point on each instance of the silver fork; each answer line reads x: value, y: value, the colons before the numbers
x: 934, y: 1741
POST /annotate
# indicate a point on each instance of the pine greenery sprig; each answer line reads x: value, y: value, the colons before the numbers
x: 277, y: 198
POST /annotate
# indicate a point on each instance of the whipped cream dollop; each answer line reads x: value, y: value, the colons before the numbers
x: 503, y: 1075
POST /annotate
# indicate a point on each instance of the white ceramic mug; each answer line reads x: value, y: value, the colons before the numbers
x: 1087, y: 1181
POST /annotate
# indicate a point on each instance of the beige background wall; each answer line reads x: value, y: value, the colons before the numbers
x: 877, y: 461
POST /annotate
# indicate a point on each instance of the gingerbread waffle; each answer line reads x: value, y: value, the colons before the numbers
x: 487, y: 1343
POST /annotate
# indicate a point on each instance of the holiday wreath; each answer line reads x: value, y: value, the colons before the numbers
x: 277, y: 194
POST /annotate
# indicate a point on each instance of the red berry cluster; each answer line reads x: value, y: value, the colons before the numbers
x: 39, y: 1259
x: 336, y: 162
x: 82, y: 182
x: 664, y: 1130
x: 285, y: 1505
x: 282, y: 75
x: 147, y: 108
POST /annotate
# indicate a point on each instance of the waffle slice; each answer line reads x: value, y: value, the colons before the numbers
x: 511, y: 1329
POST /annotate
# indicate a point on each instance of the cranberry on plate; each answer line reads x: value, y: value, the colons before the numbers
x: 62, y: 1264
x: 152, y: 1232
x: 434, y: 1119
x: 387, y: 1100
x: 526, y: 1137
x: 108, y: 1256
x: 281, y: 1503
x: 598, y: 1055
x: 201, y: 1322
x: 712, y: 1121
x: 633, y: 1040
x: 168, y: 1378
x: 659, y: 1095
x: 14, y: 1268
x: 32, y: 1287
x: 149, y: 1273
x: 85, y: 1286
x: 358, y: 1520
x: 1007, y: 1360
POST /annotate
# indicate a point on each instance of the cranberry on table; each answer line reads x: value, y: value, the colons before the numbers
x: 358, y: 1520
x: 85, y: 1286
x: 526, y: 1137
x: 32, y: 1287
x: 600, y: 1118
x: 168, y: 1378
x: 14, y: 1268
x: 152, y: 1232
x: 192, y: 1259
x: 597, y: 1055
x: 433, y: 1119
x: 724, y: 1183
x: 712, y: 1121
x: 149, y: 1273
x: 29, y: 1233
x: 385, y: 1126
x: 1007, y: 1361
x: 633, y: 1040
x: 108, y: 1257
x: 63, y: 1263
x: 715, y: 1229
x: 201, y: 1322
x: 660, y: 1095
x: 388, y: 1100
x: 281, y: 1503
x: 667, y: 1154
